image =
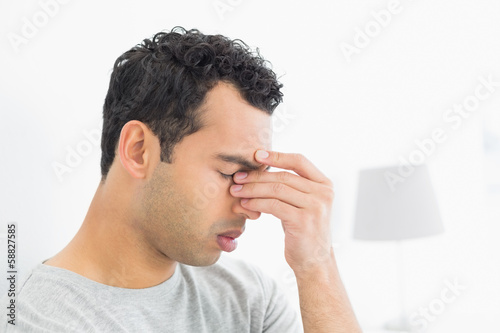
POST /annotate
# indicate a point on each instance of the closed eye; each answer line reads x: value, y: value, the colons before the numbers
x: 227, y: 176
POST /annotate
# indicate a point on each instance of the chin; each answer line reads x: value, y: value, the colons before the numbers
x: 202, y: 261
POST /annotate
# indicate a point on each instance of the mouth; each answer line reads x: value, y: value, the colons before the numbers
x: 232, y: 233
x: 227, y: 240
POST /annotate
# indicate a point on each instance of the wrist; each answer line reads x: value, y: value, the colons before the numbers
x: 317, y: 268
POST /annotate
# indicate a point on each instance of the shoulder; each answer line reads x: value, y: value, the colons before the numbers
x: 44, y: 299
x: 34, y: 299
x: 48, y: 282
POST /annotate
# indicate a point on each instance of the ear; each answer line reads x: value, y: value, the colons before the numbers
x: 139, y: 149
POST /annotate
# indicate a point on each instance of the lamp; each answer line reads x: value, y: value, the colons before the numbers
x: 395, y: 204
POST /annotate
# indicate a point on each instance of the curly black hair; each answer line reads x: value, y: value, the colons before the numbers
x: 164, y: 80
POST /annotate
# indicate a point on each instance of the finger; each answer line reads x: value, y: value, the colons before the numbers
x: 288, y: 178
x: 295, y: 162
x: 280, y: 209
x: 278, y: 191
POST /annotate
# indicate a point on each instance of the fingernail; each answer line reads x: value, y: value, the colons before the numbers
x: 236, y: 188
x: 262, y: 154
x: 244, y: 200
x: 240, y: 175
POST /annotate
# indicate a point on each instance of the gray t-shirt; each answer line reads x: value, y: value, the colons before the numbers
x: 229, y: 296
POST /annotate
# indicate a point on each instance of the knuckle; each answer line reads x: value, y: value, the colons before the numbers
x: 277, y: 188
x: 277, y: 157
x: 300, y: 158
x: 284, y: 177
x: 275, y: 203
x: 317, y: 208
x: 308, y: 201
x: 329, y: 194
x: 308, y: 218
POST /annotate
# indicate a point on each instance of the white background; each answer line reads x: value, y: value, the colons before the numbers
x: 347, y: 115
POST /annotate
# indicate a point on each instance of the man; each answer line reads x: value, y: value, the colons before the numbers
x: 185, y: 153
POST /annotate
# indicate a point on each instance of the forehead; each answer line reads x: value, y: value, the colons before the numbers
x: 232, y: 125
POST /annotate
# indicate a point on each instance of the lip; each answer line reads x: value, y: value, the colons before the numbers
x: 227, y: 241
x: 231, y: 233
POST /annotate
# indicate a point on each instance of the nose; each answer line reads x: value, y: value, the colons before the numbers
x: 239, y: 209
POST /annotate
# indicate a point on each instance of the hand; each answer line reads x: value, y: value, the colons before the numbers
x: 302, y: 202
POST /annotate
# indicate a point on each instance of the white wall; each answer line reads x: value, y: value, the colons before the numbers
x: 347, y: 115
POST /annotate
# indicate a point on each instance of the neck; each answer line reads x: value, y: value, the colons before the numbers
x: 110, y: 249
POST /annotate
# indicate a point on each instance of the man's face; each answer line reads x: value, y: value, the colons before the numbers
x: 187, y: 204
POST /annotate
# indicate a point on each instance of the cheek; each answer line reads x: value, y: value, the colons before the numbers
x: 208, y: 190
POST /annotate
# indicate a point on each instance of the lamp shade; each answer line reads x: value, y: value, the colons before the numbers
x: 392, y: 206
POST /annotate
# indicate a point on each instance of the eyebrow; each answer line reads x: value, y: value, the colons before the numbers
x: 238, y: 159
